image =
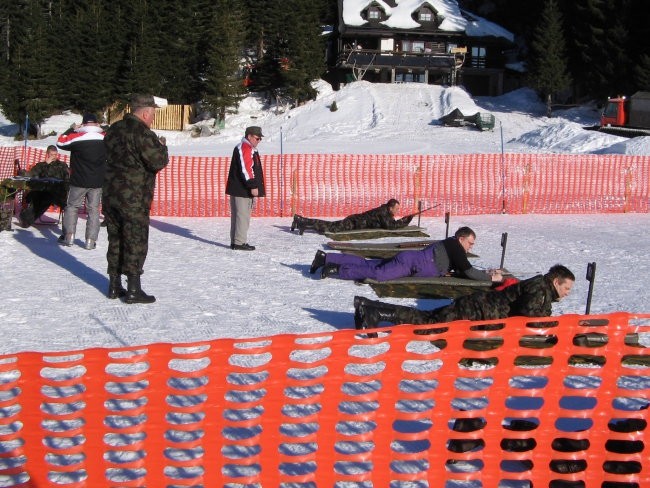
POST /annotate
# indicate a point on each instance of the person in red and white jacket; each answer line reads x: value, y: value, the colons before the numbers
x: 87, y: 169
x: 245, y: 183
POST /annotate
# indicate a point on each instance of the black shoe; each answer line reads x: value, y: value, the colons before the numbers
x: 319, y: 260
x: 242, y: 247
x: 329, y: 270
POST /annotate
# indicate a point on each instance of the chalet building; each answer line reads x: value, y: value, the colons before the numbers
x: 431, y: 41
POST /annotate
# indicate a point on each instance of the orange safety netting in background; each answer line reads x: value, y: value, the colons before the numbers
x: 336, y: 185
x: 529, y: 401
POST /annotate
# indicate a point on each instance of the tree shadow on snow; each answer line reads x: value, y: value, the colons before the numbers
x: 47, y: 248
x: 182, y: 232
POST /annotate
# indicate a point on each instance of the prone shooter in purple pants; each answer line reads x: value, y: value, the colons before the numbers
x: 437, y: 259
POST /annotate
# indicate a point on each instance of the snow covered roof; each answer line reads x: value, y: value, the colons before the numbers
x: 400, y: 17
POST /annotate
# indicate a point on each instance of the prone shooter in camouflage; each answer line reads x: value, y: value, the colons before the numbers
x: 135, y: 155
x: 529, y: 298
x: 382, y: 217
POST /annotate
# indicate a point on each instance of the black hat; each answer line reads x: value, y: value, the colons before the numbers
x: 89, y: 118
x: 254, y: 130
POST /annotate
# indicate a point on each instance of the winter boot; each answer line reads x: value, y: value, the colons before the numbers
x: 294, y: 222
x: 329, y: 270
x: 115, y: 288
x: 303, y: 224
x: 134, y: 293
x: 66, y: 239
x: 319, y: 260
x: 372, y: 313
x: 90, y: 244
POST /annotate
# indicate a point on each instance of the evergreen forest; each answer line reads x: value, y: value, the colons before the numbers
x: 76, y: 55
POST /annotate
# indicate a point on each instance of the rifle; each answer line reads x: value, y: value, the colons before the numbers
x: 423, y: 210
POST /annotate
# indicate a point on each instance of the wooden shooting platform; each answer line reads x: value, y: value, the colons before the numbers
x: 382, y: 250
x: 409, y: 231
x: 415, y: 287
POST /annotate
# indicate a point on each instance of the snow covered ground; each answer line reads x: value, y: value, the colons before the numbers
x: 54, y: 299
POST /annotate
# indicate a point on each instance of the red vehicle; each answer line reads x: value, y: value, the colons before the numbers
x: 627, y: 116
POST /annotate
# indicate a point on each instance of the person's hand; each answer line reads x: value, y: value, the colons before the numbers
x: 496, y: 274
x: 254, y: 192
x: 162, y: 140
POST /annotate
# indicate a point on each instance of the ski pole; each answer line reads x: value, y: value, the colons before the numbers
x: 591, y: 275
x: 447, y: 224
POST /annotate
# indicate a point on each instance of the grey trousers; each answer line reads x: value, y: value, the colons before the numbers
x: 240, y: 217
x: 76, y: 197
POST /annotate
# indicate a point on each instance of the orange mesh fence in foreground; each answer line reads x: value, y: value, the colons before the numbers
x: 553, y: 402
x: 335, y: 185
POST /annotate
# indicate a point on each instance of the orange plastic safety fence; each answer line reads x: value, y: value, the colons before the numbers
x: 336, y: 185
x: 558, y: 402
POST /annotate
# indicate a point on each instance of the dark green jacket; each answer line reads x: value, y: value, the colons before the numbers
x: 135, y: 156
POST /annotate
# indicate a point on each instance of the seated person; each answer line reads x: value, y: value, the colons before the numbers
x: 437, y: 259
x: 382, y: 217
x: 38, y: 201
x: 528, y: 298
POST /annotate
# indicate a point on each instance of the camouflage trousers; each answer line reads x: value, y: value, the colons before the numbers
x: 323, y: 226
x: 128, y: 241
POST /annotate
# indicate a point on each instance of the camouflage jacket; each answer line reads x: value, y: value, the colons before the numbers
x: 56, y: 169
x: 134, y: 157
x: 378, y: 218
x: 529, y: 298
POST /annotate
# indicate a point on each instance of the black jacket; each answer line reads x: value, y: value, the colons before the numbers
x: 87, y: 155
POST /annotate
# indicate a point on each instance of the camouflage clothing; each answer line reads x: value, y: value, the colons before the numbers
x: 376, y: 218
x: 529, y: 298
x: 135, y: 156
x: 38, y: 201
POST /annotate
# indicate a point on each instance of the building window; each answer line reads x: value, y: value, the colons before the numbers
x: 374, y: 13
x: 478, y: 57
x: 425, y: 15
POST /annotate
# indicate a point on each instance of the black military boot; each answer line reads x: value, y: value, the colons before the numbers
x: 329, y: 270
x: 294, y: 222
x: 319, y: 260
x: 115, y: 288
x: 134, y: 293
x: 372, y: 313
x: 303, y: 224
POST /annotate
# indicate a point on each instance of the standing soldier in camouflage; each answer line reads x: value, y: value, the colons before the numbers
x: 135, y: 156
x: 382, y: 217
x: 528, y: 298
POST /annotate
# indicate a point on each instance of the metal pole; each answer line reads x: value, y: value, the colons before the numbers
x: 504, y: 241
x: 503, y: 175
x: 591, y: 275
x: 447, y: 224
x: 25, y: 135
x: 281, y: 175
x: 419, y: 211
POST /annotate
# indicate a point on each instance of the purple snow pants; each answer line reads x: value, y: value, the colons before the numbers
x: 405, y: 263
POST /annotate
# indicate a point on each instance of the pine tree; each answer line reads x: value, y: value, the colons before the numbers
x: 642, y: 73
x: 224, y: 88
x: 29, y: 67
x: 548, y: 73
x: 305, y: 50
